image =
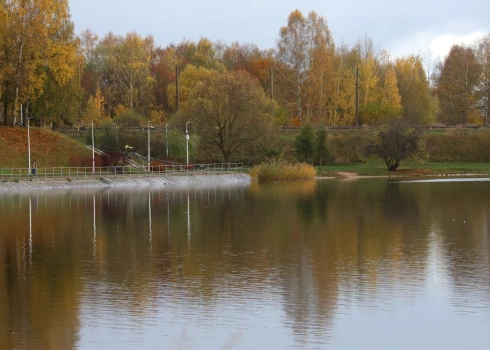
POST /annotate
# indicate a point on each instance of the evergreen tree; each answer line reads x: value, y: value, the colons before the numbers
x: 304, y: 144
x: 322, y: 155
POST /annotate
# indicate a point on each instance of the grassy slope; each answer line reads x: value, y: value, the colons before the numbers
x: 407, y: 168
x: 48, y: 148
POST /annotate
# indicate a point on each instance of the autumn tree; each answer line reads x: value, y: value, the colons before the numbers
x: 90, y: 65
x: 482, y: 50
x: 187, y: 80
x: 418, y: 105
x: 457, y: 86
x: 342, y: 99
x: 368, y: 81
x: 229, y: 111
x: 320, y: 84
x: 5, y: 47
x: 305, y: 43
x: 129, y: 63
x: 163, y: 72
x: 200, y: 54
x: 249, y: 58
x: 37, y: 46
x: 94, y: 110
x: 390, y: 96
x: 395, y: 141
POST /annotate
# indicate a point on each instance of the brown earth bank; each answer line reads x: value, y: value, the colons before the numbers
x: 48, y: 148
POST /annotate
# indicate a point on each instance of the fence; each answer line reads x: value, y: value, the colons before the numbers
x: 86, y: 173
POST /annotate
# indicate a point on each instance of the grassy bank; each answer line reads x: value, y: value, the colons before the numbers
x: 407, y: 168
x: 48, y: 148
x: 446, y: 145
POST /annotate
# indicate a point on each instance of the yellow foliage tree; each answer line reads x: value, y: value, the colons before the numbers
x: 39, y: 45
x: 188, y: 78
x: 129, y: 65
x: 418, y: 105
x: 94, y: 110
x: 390, y: 96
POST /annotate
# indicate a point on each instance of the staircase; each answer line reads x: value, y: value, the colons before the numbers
x: 130, y: 162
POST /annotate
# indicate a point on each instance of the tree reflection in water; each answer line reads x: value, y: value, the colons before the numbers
x: 302, y: 255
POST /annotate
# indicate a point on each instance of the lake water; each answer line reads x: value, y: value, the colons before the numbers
x: 364, y: 264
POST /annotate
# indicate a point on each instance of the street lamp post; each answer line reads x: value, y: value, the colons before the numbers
x: 187, y: 141
x: 93, y: 149
x: 115, y: 125
x: 29, y: 145
x: 149, y: 145
x: 166, y: 137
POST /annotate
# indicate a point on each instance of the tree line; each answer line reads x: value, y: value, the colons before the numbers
x: 59, y: 78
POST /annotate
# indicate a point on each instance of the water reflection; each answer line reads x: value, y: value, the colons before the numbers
x: 272, y: 266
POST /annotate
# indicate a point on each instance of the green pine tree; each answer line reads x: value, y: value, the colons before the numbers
x: 322, y: 155
x: 304, y: 144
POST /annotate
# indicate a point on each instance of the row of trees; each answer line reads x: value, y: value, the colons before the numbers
x: 463, y: 84
x: 49, y: 73
x: 393, y: 142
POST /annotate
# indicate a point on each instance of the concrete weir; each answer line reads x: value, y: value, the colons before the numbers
x: 127, y: 182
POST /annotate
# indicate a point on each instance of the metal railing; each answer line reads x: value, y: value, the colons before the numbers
x: 138, y: 157
x: 86, y: 173
x: 128, y: 161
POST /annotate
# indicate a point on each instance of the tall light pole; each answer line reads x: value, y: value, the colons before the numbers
x: 357, y: 96
x: 187, y: 141
x: 149, y: 145
x: 166, y: 137
x: 29, y: 145
x: 115, y: 125
x: 93, y: 149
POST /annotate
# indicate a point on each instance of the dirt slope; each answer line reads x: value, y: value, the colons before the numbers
x: 48, y: 148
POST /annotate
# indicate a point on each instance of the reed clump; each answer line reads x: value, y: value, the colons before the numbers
x: 281, y: 170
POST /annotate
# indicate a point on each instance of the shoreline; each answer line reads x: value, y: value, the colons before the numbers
x: 353, y: 175
x: 187, y: 181
x: 126, y: 182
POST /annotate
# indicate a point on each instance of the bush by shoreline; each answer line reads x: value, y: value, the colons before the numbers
x: 276, y: 170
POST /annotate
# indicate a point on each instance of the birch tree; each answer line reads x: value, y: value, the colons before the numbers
x: 457, y: 86
x: 129, y: 62
x: 482, y: 50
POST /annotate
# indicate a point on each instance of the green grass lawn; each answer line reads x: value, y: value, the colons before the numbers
x: 407, y: 168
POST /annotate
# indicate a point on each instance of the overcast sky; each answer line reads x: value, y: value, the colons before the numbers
x: 408, y: 28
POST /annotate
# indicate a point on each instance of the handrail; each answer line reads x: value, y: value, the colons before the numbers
x: 128, y: 161
x: 96, y: 150
x: 85, y: 173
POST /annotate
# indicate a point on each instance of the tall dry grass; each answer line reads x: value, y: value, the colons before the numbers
x: 347, y: 149
x: 458, y: 147
x: 279, y: 170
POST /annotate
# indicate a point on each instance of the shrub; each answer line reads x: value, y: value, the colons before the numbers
x: 278, y: 169
x: 395, y: 141
x: 85, y: 161
x: 157, y: 165
x: 129, y: 119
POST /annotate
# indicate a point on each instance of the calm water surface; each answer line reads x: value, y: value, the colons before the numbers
x: 364, y: 264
